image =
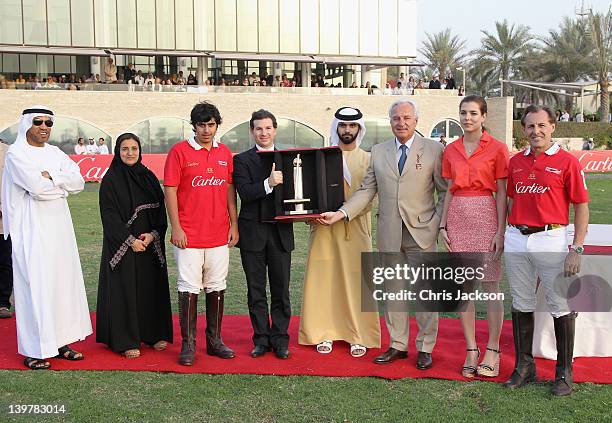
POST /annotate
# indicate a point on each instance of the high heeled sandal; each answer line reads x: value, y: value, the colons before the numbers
x: 470, y: 371
x: 486, y: 370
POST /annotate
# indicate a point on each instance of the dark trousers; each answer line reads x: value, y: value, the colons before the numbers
x: 6, y: 272
x: 278, y: 264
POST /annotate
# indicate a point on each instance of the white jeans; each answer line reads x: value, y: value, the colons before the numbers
x: 202, y: 268
x: 526, y: 260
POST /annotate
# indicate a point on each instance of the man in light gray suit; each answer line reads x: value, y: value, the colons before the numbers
x: 405, y: 172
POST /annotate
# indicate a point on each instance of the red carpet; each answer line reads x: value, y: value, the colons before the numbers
x: 448, y: 356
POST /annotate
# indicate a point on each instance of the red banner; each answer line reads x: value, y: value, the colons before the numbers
x: 93, y: 168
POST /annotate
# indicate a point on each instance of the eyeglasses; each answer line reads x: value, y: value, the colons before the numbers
x: 38, y: 122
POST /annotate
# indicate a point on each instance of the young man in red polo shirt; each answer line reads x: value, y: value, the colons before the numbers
x: 542, y: 182
x: 201, y: 203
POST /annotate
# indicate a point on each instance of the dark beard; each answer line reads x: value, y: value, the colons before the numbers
x: 349, y: 141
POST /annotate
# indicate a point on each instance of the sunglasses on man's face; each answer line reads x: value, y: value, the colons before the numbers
x: 38, y: 122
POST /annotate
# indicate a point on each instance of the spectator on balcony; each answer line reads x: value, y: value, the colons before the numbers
x: 434, y: 84
x: 451, y: 84
x: 129, y: 74
x: 285, y: 82
x: 80, y: 148
x: 399, y: 89
x: 20, y: 79
x: 150, y: 80
x: 388, y: 90
x: 565, y: 117
x: 91, y: 147
x: 50, y: 83
x: 401, y: 80
x: 102, y: 148
x: 110, y: 72
x: 181, y: 78
x: 139, y: 79
x: 191, y: 80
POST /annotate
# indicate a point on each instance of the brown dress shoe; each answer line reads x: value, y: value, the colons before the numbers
x: 5, y: 313
x: 390, y: 356
x: 424, y: 361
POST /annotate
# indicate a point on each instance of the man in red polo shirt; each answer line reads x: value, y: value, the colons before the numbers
x: 201, y: 203
x: 542, y: 182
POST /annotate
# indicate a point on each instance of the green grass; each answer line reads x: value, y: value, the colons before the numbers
x: 142, y: 396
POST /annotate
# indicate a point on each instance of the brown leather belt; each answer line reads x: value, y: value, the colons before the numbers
x: 528, y: 230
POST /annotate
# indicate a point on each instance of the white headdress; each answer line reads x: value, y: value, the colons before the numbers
x: 347, y: 114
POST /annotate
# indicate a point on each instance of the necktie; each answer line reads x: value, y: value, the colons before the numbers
x: 402, y: 159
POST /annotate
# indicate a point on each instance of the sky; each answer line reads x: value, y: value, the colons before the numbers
x: 467, y: 18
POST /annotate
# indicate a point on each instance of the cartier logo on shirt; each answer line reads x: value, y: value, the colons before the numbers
x: 201, y: 181
x: 534, y: 188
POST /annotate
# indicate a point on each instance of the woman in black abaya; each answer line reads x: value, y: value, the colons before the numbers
x: 133, y: 294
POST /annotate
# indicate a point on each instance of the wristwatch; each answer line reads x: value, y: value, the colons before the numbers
x: 578, y: 249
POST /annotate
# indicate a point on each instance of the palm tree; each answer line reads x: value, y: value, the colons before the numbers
x: 504, y: 52
x: 600, y: 28
x: 565, y: 55
x: 443, y: 52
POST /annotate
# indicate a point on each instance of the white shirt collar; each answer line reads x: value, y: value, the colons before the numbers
x: 408, y: 143
x: 194, y: 144
x: 551, y: 151
x: 264, y: 149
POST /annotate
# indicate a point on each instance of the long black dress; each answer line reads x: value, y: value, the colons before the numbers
x: 133, y: 294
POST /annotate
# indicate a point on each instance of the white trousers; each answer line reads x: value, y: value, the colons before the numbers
x: 526, y: 261
x: 202, y: 268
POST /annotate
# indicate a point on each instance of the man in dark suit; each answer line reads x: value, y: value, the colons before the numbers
x: 264, y: 244
x: 434, y: 84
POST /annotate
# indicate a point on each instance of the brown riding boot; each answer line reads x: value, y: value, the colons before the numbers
x: 564, y: 375
x: 214, y: 317
x: 188, y: 316
x: 524, y: 367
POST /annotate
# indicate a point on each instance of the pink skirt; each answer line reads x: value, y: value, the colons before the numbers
x: 471, y: 225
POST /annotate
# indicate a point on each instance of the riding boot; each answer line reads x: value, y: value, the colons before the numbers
x: 214, y: 317
x: 188, y: 316
x: 524, y: 367
x: 564, y: 333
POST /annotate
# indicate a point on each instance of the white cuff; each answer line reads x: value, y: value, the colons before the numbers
x: 344, y: 213
x: 267, y: 187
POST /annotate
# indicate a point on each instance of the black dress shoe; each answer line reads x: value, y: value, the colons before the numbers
x: 259, y: 350
x: 282, y: 352
x: 390, y: 356
x: 424, y: 361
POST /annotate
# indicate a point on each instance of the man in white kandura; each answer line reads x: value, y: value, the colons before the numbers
x: 48, y: 281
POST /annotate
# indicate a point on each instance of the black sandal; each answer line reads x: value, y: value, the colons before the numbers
x: 470, y: 371
x: 36, y: 363
x: 68, y: 353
